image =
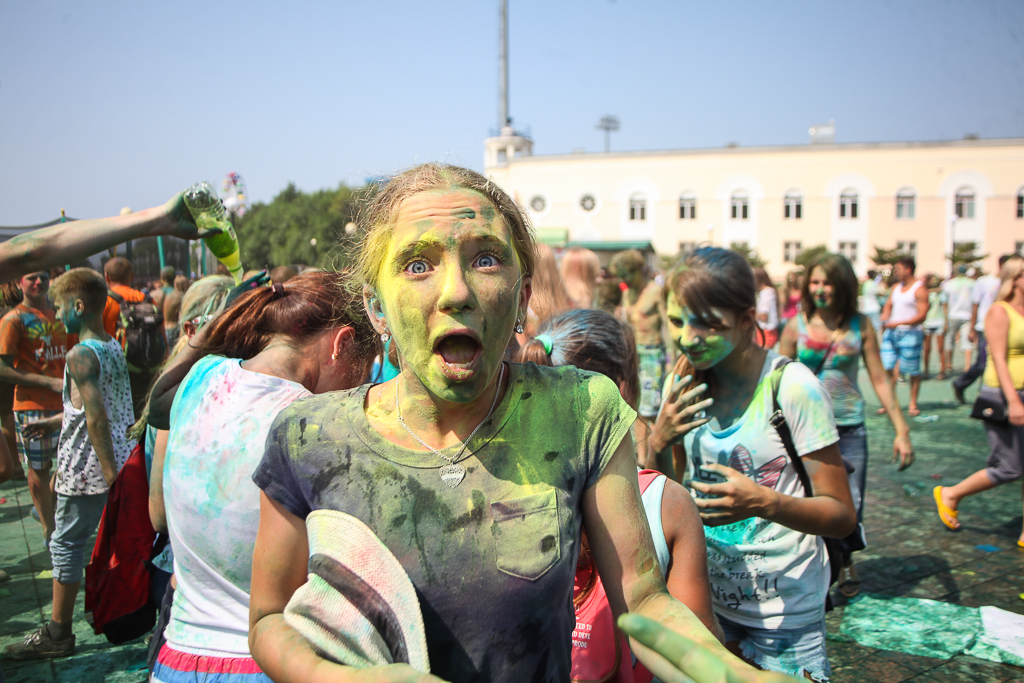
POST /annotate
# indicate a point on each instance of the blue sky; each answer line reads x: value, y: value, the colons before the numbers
x: 111, y: 104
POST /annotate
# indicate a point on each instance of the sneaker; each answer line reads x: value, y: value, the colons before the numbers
x: 38, y: 645
x: 959, y: 394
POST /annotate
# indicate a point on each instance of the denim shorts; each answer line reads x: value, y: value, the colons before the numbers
x: 790, y: 651
x: 76, y: 518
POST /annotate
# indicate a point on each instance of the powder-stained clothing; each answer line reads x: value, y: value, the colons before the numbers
x: 219, y: 423
x: 493, y: 561
x: 78, y: 468
x: 38, y: 342
x: 763, y: 574
x: 839, y: 370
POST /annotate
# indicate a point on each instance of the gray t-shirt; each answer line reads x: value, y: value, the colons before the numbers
x: 493, y: 560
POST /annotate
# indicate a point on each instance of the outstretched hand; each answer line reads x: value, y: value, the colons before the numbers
x: 690, y: 658
x: 181, y: 222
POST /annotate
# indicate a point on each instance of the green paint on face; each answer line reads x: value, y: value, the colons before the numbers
x: 487, y: 211
x: 450, y: 291
x: 703, y: 345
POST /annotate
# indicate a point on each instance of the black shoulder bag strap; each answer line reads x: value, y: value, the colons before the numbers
x: 778, y: 420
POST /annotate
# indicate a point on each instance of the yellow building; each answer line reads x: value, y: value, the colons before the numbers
x: 916, y: 196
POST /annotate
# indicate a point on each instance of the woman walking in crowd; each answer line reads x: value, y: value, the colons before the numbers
x: 486, y: 527
x: 580, y: 268
x: 1003, y: 389
x: 763, y: 526
x: 791, y: 304
x: 767, y: 308
x: 934, y: 325
x: 596, y: 341
x: 219, y: 397
x: 831, y: 337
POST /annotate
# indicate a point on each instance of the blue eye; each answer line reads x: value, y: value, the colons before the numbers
x: 486, y: 261
x: 417, y: 267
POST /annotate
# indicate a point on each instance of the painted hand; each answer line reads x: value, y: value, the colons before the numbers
x: 699, y: 664
x: 249, y: 284
x: 739, y: 497
x: 675, y: 419
x: 392, y: 673
x: 39, y: 429
x: 903, y: 452
x: 180, y: 222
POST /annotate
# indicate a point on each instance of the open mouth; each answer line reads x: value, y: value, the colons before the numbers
x: 459, y: 351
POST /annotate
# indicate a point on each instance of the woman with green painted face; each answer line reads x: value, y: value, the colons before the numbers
x: 476, y: 474
x: 767, y: 562
x: 831, y: 337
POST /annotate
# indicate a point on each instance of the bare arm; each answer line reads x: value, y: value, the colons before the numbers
x: 972, y: 334
x: 903, y: 450
x: 162, y: 397
x: 620, y: 540
x: 886, y: 310
x: 790, y: 337
x: 84, y: 370
x: 278, y: 569
x: 70, y: 242
x: 997, y: 328
x: 157, y: 512
x: 829, y: 512
x: 13, y: 375
x: 687, y: 579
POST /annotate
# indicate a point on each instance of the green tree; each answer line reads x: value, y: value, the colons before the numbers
x: 887, y: 257
x: 966, y: 253
x: 300, y: 228
x: 744, y: 250
x: 809, y: 254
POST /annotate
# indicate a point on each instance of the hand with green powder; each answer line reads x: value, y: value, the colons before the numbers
x: 696, y: 662
x: 676, y: 417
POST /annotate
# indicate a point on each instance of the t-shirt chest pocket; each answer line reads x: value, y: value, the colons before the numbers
x: 526, y: 534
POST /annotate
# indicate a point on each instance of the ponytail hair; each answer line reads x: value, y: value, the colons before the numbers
x: 592, y: 340
x: 302, y: 307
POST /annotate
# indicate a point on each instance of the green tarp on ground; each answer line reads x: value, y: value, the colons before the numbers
x: 929, y: 628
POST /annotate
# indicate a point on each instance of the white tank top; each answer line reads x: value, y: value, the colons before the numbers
x: 904, y: 305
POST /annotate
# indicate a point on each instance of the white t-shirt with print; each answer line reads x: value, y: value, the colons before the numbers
x: 219, y: 424
x: 764, y: 574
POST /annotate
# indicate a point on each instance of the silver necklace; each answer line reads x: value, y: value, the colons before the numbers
x: 452, y: 473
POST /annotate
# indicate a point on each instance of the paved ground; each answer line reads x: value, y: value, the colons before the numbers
x: 910, y: 554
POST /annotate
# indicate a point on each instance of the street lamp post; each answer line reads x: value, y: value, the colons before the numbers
x: 608, y: 124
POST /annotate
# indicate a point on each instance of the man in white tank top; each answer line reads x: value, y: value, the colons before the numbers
x: 902, y: 316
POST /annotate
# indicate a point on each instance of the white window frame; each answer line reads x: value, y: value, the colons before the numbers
x: 907, y: 247
x: 687, y: 247
x: 793, y: 206
x: 848, y: 204
x: 687, y: 201
x: 849, y: 250
x: 739, y: 206
x: 791, y: 251
x: 906, y: 206
x: 637, y: 208
x: 963, y: 203
x: 1020, y: 203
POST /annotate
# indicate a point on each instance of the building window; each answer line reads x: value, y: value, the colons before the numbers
x: 790, y: 250
x: 738, y: 206
x: 794, y: 206
x: 848, y: 205
x: 687, y: 207
x: 538, y: 203
x: 905, y: 205
x: 965, y: 203
x: 637, y: 209
x: 908, y: 248
x: 587, y: 202
x: 849, y: 250
x: 686, y: 247
x: 1020, y: 204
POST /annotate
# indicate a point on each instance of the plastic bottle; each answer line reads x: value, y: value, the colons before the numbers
x: 208, y: 212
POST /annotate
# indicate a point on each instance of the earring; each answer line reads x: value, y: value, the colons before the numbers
x: 519, y: 327
x: 334, y: 356
x: 386, y: 337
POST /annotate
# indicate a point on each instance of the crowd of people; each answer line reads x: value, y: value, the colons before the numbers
x: 464, y: 459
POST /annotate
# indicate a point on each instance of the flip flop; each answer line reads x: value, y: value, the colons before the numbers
x: 944, y: 510
x: 849, y: 581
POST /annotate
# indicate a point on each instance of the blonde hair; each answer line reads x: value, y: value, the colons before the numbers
x: 580, y: 267
x: 549, y: 297
x: 1011, y: 270
x: 377, y: 218
x: 83, y: 283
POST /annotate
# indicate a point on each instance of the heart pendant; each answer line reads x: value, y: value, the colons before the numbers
x: 453, y: 474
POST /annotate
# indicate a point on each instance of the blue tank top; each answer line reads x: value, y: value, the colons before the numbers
x: 839, y: 371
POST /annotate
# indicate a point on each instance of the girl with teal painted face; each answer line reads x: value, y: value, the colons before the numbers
x: 768, y: 565
x: 831, y: 337
x: 476, y: 474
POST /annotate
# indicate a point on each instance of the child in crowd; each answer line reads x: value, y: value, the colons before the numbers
x: 768, y: 565
x: 92, y: 448
x: 33, y: 344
